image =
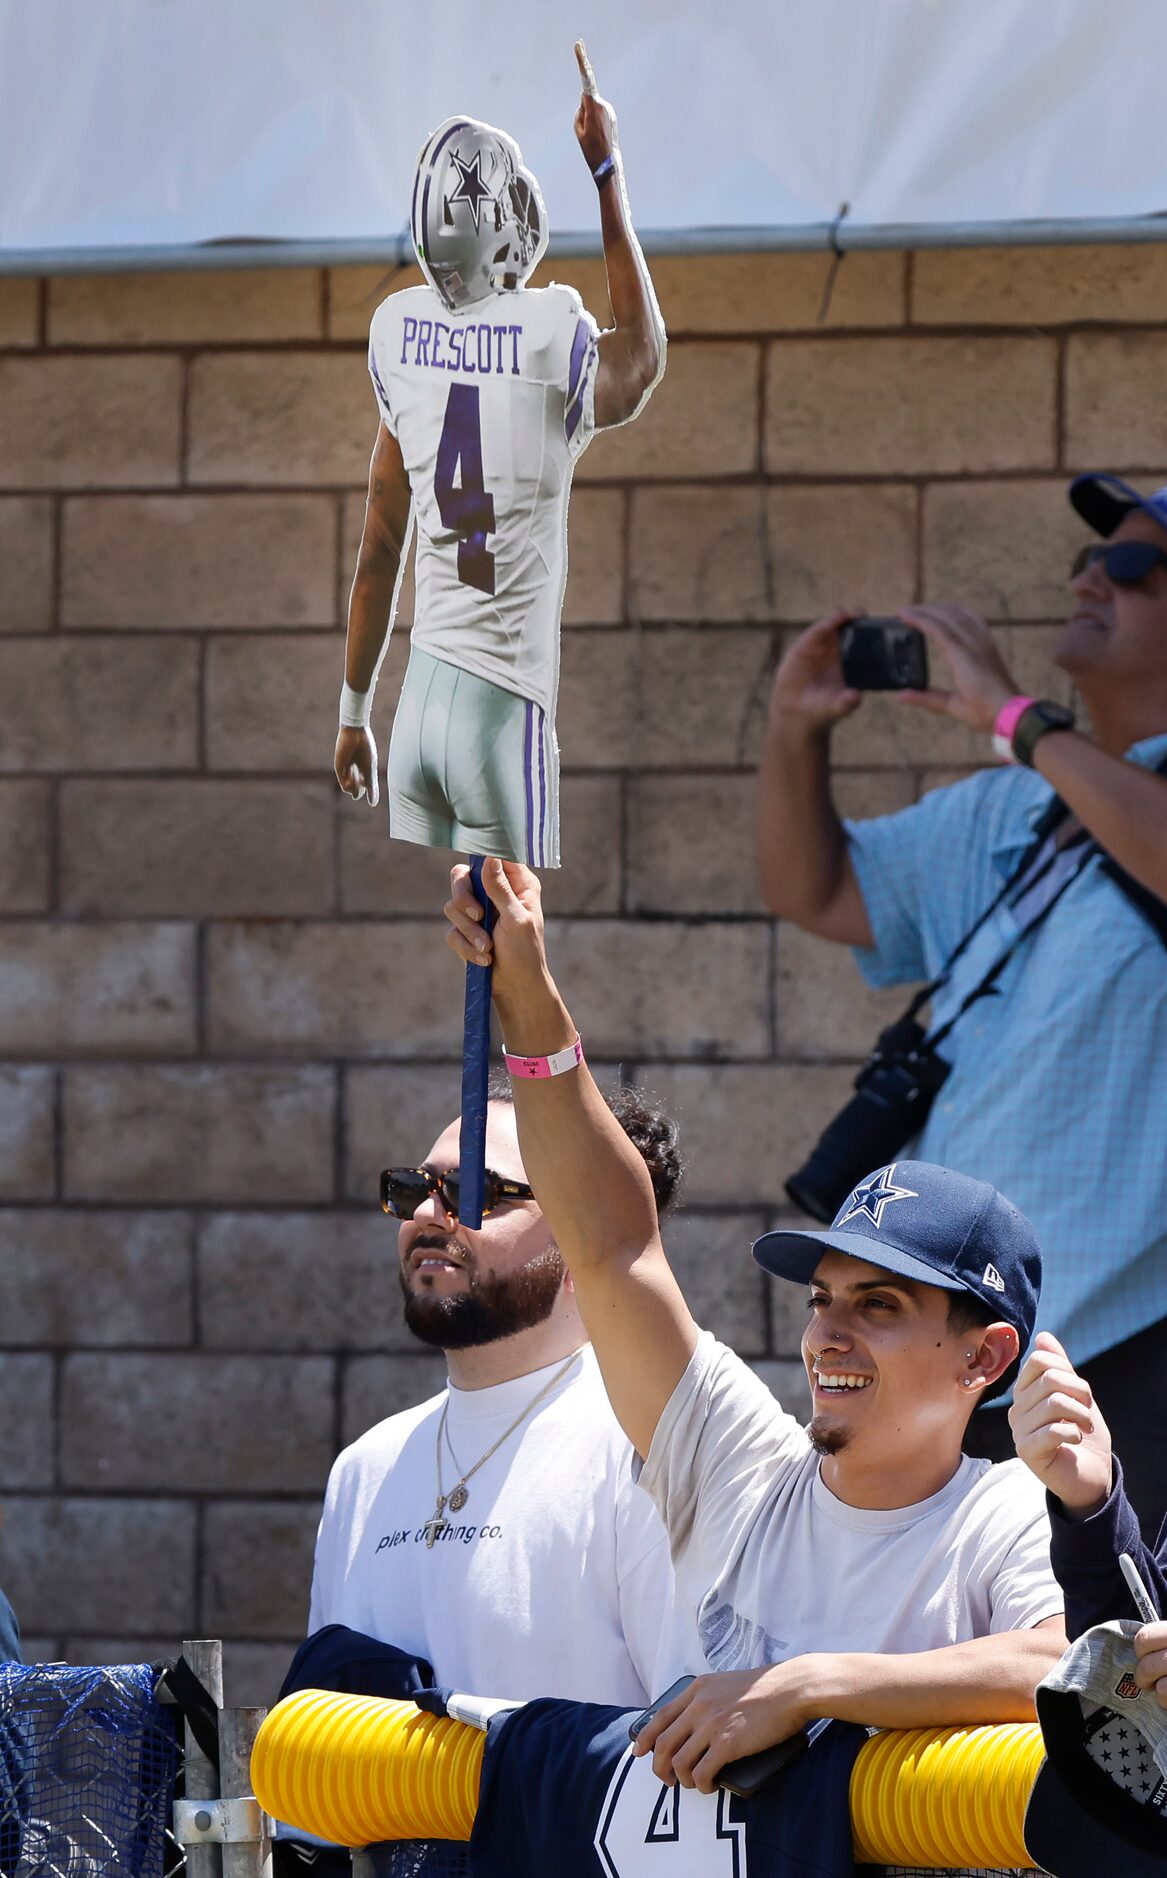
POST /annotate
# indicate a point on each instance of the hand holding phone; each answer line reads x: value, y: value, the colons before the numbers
x: 751, y: 1771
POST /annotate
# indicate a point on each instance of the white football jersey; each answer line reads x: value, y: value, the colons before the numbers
x: 491, y: 405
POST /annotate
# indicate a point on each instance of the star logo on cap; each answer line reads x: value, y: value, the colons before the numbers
x: 471, y: 189
x: 873, y: 1196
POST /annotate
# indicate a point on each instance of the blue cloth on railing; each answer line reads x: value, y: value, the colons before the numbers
x: 561, y: 1792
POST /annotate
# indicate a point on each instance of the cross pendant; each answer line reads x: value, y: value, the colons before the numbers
x: 435, y: 1527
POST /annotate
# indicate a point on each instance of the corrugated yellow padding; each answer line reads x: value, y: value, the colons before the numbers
x: 355, y: 1769
x: 945, y: 1796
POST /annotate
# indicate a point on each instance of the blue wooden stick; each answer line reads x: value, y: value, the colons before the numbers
x: 475, y: 1070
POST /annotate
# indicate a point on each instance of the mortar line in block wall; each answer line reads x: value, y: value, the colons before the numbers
x: 737, y: 479
x: 184, y: 423
x: 1060, y: 413
x: 339, y: 608
x: 195, y: 348
x: 56, y: 553
x: 53, y: 896
x: 58, y: 1124
x: 918, y: 542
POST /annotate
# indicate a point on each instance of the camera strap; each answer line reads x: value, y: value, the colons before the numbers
x: 1141, y: 898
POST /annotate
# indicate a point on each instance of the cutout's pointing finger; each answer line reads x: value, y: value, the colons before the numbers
x: 585, y: 68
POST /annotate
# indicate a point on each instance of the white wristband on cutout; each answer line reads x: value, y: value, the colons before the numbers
x: 356, y: 708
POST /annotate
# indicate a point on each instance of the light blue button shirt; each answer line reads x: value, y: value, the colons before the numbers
x: 1058, y: 1092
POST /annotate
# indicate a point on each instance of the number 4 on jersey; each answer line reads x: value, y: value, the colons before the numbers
x: 464, y: 505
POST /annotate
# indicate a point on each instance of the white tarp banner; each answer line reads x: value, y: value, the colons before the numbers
x: 154, y: 122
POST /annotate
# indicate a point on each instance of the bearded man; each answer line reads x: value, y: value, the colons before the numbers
x: 495, y: 1530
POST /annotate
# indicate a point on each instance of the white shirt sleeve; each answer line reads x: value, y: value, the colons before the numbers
x: 577, y: 360
x: 378, y: 376
x: 1023, y: 1588
x: 324, y: 1562
x: 717, y: 1450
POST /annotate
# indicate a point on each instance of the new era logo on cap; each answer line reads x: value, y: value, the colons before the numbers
x: 993, y: 1277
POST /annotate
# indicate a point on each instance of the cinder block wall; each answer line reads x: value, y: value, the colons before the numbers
x: 223, y: 997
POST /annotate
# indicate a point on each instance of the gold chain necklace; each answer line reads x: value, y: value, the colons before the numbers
x: 459, y: 1493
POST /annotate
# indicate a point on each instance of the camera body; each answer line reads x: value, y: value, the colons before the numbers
x: 894, y: 1091
x: 883, y: 655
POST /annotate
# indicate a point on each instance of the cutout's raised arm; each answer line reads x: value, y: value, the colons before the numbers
x: 632, y: 353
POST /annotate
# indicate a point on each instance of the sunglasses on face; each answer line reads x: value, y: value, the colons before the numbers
x: 1125, y: 563
x: 404, y: 1189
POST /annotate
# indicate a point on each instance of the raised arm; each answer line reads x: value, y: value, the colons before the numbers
x: 590, y: 1182
x: 803, y: 865
x: 632, y: 353
x: 371, y: 605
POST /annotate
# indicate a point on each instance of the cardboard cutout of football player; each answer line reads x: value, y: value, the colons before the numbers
x: 488, y: 392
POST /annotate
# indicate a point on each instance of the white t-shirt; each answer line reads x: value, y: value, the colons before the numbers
x: 554, y: 1579
x: 776, y: 1566
x: 491, y: 406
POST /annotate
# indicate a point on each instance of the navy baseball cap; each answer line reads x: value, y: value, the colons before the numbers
x: 1104, y: 501
x: 927, y: 1223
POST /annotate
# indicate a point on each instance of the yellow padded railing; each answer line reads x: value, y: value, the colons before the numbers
x: 354, y: 1769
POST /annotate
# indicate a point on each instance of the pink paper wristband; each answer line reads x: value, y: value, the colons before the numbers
x: 1008, y: 718
x: 535, y: 1068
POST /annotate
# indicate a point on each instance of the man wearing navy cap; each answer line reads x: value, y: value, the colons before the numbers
x: 862, y: 1568
x: 1058, y: 1080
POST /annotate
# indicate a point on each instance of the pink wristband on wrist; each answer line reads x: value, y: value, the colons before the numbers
x: 1008, y: 718
x: 535, y: 1068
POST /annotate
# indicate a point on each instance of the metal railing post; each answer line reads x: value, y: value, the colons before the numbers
x: 238, y: 1727
x: 205, y: 1656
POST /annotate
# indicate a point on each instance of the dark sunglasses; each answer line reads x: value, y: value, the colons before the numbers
x: 404, y: 1189
x: 1125, y: 563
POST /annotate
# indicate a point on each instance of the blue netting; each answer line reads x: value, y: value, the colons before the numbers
x: 88, y: 1760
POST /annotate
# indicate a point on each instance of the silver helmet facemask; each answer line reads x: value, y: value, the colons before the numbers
x: 478, y: 219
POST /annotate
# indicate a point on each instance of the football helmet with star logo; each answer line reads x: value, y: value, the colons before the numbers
x: 478, y: 219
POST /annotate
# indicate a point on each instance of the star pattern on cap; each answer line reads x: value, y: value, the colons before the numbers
x: 471, y: 188
x: 1131, y: 1768
x: 873, y: 1196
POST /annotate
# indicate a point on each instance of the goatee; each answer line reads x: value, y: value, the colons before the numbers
x: 827, y: 1437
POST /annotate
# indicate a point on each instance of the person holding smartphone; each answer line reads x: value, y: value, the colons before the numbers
x: 1062, y: 1437
x: 1046, y: 930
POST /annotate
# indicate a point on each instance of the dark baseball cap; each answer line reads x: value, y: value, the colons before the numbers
x: 1099, y: 1803
x: 927, y: 1223
x: 1104, y: 501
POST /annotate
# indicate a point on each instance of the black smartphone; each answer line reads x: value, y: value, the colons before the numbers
x: 752, y: 1771
x: 883, y: 655
x: 642, y: 1720
x: 743, y: 1776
